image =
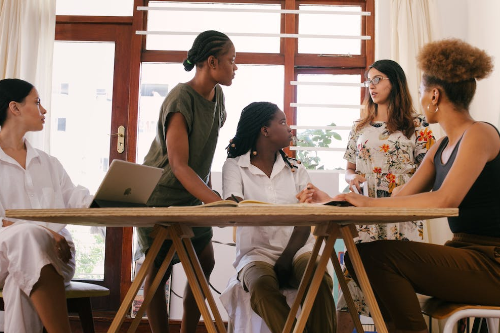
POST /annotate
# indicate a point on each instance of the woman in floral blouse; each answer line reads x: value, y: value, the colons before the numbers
x: 385, y: 148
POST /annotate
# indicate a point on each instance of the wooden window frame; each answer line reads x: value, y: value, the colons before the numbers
x: 131, y: 52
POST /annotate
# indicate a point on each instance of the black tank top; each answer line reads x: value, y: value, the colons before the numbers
x: 479, y: 212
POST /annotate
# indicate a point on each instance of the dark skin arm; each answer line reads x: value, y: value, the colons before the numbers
x: 178, y: 155
x: 283, y: 266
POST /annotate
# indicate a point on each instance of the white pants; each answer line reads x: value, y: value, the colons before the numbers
x: 24, y: 250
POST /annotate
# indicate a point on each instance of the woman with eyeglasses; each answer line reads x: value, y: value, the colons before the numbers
x: 385, y: 148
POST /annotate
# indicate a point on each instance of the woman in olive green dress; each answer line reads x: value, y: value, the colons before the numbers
x: 187, y: 131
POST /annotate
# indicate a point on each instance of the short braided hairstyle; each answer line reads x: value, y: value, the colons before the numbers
x: 253, y: 117
x: 12, y: 90
x: 208, y: 43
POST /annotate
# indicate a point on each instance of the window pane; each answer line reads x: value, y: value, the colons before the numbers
x: 227, y: 22
x: 323, y: 116
x: 314, y: 94
x: 95, y: 7
x: 330, y: 24
x: 252, y: 83
x: 80, y: 128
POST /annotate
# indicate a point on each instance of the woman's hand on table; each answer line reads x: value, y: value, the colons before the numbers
x: 357, y: 200
x: 312, y: 194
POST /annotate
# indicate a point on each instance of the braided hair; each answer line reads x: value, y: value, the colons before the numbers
x: 12, y: 90
x: 253, y: 117
x: 208, y: 43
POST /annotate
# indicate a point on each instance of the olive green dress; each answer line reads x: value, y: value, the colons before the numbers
x: 204, y: 119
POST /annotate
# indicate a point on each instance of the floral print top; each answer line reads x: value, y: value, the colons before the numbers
x: 387, y: 160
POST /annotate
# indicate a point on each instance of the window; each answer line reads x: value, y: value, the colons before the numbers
x: 83, y: 117
x: 61, y: 124
x: 268, y: 80
x: 327, y: 106
x: 331, y: 22
x: 95, y: 7
x: 315, y: 75
x: 166, y: 19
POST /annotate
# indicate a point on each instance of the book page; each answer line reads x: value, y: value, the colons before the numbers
x: 231, y: 203
x: 220, y: 203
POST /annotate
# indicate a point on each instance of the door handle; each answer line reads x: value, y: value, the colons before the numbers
x: 120, y: 143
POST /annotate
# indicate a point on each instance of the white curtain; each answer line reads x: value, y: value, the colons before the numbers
x: 413, y: 24
x: 27, y: 32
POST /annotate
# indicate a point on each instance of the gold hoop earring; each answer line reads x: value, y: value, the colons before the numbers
x: 254, y: 153
x: 436, y: 110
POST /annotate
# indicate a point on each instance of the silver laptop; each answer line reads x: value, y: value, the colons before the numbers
x: 126, y: 184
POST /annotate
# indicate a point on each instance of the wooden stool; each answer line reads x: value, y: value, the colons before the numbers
x: 78, y: 296
x: 453, y: 312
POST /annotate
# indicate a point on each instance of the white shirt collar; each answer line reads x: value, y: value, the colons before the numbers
x: 31, y: 153
x: 244, y: 162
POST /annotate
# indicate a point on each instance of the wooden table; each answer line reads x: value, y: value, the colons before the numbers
x: 176, y: 222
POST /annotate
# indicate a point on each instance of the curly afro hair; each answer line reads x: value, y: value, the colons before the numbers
x: 453, y: 60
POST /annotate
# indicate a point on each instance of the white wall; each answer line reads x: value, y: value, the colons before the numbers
x: 382, y: 29
x: 484, y: 33
x: 474, y: 21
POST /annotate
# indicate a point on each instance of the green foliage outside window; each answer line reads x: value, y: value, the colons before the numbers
x: 314, y: 138
x: 88, y: 257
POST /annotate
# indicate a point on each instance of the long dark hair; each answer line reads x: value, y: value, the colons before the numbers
x: 253, y: 117
x: 400, y: 110
x: 208, y: 43
x: 12, y: 90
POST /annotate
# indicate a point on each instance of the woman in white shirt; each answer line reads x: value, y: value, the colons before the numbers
x: 36, y: 258
x: 270, y: 258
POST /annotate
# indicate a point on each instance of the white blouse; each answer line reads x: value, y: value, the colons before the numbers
x: 43, y: 184
x: 242, y: 179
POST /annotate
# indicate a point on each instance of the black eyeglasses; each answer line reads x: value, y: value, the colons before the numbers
x: 376, y: 80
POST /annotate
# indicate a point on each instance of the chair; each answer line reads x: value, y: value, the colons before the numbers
x: 453, y: 312
x: 78, y: 296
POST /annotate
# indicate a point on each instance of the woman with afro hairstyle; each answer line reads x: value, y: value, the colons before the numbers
x: 462, y: 170
x: 188, y: 127
x: 270, y: 258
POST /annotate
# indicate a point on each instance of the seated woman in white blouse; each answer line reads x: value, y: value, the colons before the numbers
x: 36, y: 258
x: 271, y: 258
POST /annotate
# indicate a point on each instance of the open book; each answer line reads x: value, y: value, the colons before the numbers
x: 337, y: 203
x: 231, y: 203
